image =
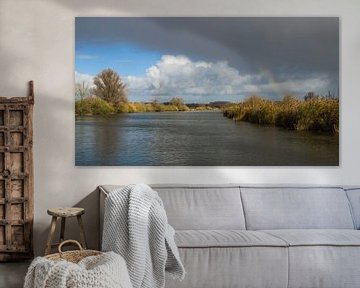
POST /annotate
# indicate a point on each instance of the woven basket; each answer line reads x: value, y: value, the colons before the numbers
x: 72, y: 256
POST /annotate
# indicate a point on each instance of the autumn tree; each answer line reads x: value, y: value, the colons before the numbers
x: 179, y: 103
x: 110, y: 87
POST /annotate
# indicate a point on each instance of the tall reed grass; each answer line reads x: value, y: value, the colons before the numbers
x: 315, y: 114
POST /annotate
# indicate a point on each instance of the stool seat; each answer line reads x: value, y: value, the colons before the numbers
x: 66, y: 211
x: 63, y: 213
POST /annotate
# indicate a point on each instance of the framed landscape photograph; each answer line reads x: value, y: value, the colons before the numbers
x: 207, y: 91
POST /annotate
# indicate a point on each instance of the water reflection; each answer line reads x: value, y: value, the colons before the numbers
x: 199, y: 139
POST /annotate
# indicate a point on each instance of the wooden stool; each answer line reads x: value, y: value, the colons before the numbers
x: 64, y: 213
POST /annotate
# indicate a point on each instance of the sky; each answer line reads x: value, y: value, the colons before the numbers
x: 204, y: 59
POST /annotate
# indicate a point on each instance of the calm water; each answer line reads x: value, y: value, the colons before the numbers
x: 196, y: 138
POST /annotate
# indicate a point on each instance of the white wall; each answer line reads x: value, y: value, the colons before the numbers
x: 37, y: 42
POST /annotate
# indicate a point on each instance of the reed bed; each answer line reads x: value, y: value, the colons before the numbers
x: 315, y: 114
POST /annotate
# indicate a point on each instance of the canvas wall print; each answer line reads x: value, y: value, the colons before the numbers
x: 207, y: 91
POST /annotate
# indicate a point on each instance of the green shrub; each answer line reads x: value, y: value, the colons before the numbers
x: 122, y: 108
x: 139, y: 107
x: 149, y: 108
x: 93, y: 106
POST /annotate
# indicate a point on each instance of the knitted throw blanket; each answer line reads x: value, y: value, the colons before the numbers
x: 103, y: 271
x: 136, y: 227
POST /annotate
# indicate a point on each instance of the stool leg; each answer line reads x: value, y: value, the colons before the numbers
x: 82, y: 232
x: 51, y: 235
x: 62, y: 231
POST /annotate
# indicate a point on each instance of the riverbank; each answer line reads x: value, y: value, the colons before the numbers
x: 93, y: 106
x: 315, y: 114
x: 312, y: 114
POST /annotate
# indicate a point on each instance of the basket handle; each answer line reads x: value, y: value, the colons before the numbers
x: 69, y: 241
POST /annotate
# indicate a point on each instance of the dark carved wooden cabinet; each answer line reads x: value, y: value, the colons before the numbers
x: 16, y: 177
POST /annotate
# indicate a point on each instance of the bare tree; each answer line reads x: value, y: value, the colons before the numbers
x: 82, y: 90
x: 110, y: 87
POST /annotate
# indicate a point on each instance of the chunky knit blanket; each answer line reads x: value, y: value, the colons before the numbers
x: 102, y: 271
x: 136, y: 227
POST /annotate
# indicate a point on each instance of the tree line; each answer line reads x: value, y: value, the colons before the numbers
x: 109, y: 96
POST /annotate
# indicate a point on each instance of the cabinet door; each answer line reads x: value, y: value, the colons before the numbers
x: 16, y: 201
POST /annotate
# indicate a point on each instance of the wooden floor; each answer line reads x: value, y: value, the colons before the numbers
x: 12, y: 274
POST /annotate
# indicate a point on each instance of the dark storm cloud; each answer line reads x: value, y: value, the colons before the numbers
x: 287, y: 48
x: 294, y: 44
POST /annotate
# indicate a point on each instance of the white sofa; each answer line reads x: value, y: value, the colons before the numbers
x: 263, y: 236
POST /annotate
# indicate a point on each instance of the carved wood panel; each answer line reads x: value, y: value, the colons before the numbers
x: 16, y: 177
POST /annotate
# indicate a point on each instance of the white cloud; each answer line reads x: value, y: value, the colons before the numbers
x: 87, y: 78
x: 180, y: 76
x: 137, y: 83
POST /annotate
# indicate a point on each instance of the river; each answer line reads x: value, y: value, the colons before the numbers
x: 197, y: 139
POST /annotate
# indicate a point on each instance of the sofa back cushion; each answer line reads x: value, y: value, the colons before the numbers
x: 296, y: 208
x: 354, y: 198
x: 202, y: 207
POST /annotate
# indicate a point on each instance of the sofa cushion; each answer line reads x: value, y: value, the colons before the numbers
x: 324, y: 266
x: 322, y: 258
x: 296, y: 208
x: 220, y: 267
x: 317, y: 237
x: 192, y: 208
x: 226, y: 238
